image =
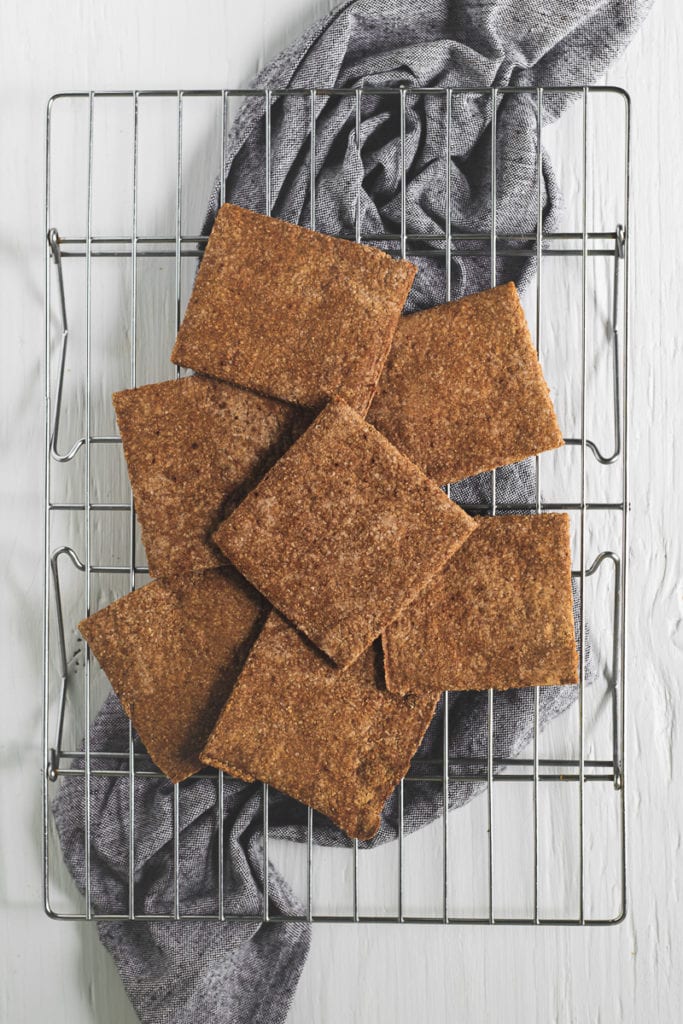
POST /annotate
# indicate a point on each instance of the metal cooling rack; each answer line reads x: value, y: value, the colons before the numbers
x: 82, y: 504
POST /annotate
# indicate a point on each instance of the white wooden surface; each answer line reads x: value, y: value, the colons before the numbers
x: 364, y: 973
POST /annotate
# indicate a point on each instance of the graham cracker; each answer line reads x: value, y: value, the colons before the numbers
x: 194, y: 448
x: 463, y: 391
x: 342, y: 533
x: 172, y: 651
x: 499, y: 615
x: 334, y: 739
x: 291, y: 312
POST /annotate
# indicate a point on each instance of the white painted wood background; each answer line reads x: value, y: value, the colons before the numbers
x: 355, y: 973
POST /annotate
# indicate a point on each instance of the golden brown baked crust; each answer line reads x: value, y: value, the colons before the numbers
x: 499, y: 615
x: 172, y: 651
x: 342, y: 533
x: 334, y: 739
x: 291, y: 312
x: 194, y: 448
x: 462, y: 390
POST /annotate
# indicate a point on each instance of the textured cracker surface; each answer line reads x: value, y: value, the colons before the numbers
x: 342, y: 533
x: 172, y: 651
x: 499, y: 615
x: 332, y: 738
x: 462, y: 390
x: 291, y: 312
x: 194, y: 448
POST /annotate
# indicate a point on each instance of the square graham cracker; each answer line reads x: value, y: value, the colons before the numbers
x: 463, y: 391
x: 499, y: 615
x: 194, y: 448
x: 342, y: 533
x: 291, y: 312
x: 172, y: 651
x: 334, y: 739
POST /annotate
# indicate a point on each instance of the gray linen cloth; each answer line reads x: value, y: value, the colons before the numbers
x: 240, y: 972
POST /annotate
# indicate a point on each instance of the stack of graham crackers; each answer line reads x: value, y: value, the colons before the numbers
x: 314, y: 590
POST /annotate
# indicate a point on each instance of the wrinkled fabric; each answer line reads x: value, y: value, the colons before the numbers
x: 247, y: 971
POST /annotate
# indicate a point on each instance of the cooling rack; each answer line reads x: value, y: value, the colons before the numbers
x: 127, y: 175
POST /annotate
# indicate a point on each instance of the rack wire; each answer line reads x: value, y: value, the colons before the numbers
x: 79, y: 496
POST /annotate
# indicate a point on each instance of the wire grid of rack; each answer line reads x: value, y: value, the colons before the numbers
x: 61, y: 673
